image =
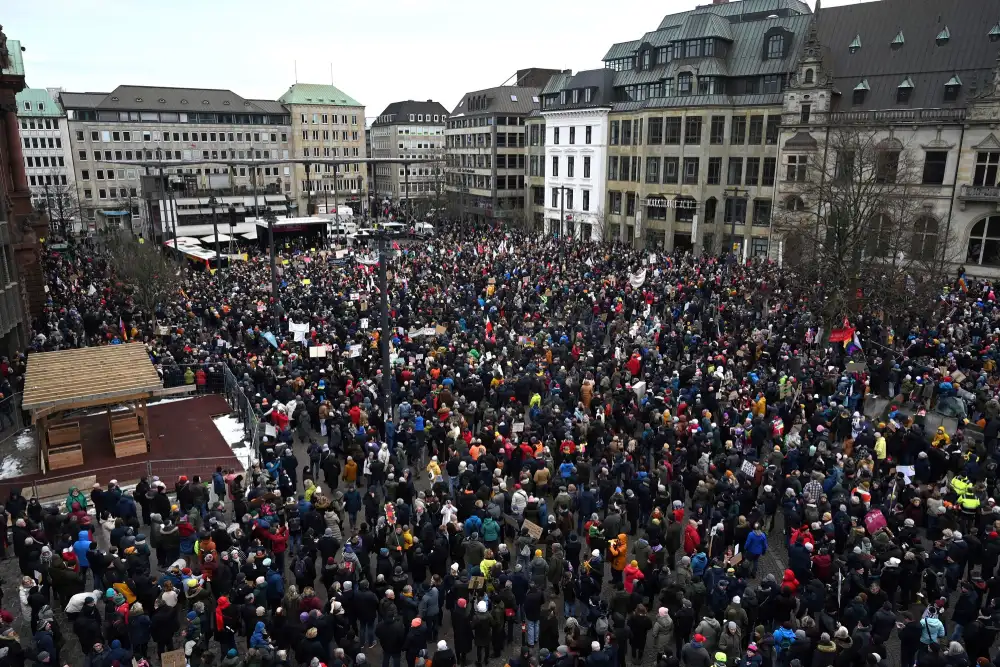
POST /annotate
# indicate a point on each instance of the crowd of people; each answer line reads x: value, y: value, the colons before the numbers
x: 594, y: 455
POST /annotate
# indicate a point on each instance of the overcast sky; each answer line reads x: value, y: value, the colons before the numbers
x: 381, y: 51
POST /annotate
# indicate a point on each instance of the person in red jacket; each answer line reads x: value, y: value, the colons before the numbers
x: 279, y: 545
x: 692, y: 540
x: 201, y: 379
x: 790, y: 581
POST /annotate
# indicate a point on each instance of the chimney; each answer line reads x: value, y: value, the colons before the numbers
x: 719, y: 2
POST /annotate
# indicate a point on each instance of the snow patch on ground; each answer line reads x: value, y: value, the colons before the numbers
x: 123, y: 407
x: 231, y: 429
x: 25, y: 441
x: 10, y: 468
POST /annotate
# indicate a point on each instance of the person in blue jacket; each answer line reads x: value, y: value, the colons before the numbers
x: 755, y: 547
x: 80, y: 548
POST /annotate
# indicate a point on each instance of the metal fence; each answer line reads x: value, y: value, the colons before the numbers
x: 253, y: 428
x: 12, y: 418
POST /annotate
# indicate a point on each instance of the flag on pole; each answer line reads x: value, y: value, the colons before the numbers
x: 853, y: 345
x: 489, y: 325
x: 121, y: 327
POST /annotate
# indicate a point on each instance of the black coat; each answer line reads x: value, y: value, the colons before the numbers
x: 391, y: 635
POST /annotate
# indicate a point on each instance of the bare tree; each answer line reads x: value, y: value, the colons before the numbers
x: 62, y: 206
x: 848, y: 226
x: 598, y: 225
x: 145, y: 273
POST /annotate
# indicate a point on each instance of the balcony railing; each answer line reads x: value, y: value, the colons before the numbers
x: 896, y: 116
x: 980, y: 193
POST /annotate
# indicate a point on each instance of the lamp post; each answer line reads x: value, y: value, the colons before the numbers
x: 163, y: 207
x: 562, y: 207
x: 213, y: 203
x: 736, y: 193
x: 271, y: 219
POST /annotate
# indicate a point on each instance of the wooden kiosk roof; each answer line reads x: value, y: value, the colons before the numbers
x: 89, y: 376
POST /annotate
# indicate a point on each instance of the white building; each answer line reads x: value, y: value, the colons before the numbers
x: 48, y: 156
x: 575, y: 108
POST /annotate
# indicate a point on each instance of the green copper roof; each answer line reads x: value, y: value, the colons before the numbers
x: 16, y: 58
x: 954, y: 81
x: 898, y: 39
x: 944, y: 35
x: 856, y: 44
x: 315, y: 93
x: 40, y: 103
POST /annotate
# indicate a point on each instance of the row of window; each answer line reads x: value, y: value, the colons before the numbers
x: 42, y: 124
x: 44, y: 161
x: 668, y: 131
x: 187, y: 154
x: 485, y: 121
x: 110, y: 193
x: 563, y: 97
x: 326, y: 135
x: 687, y: 171
x: 570, y: 166
x: 48, y: 179
x: 587, y: 135
x: 327, y: 119
x: 89, y: 115
x: 42, y: 142
x: 327, y: 186
x: 147, y: 136
x: 687, y: 84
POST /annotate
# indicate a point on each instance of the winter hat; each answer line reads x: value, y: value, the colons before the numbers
x: 481, y: 606
x: 595, y: 646
x: 442, y: 645
x: 415, y: 623
x: 824, y: 637
x: 662, y: 611
x: 700, y: 639
x: 841, y: 633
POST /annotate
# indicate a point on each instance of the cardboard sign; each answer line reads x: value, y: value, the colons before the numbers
x: 318, y: 351
x: 534, y: 530
x: 162, y: 330
x: 748, y: 468
x: 364, y: 322
x: 355, y: 350
x: 173, y: 658
x: 441, y: 329
x: 517, y: 428
x: 492, y: 281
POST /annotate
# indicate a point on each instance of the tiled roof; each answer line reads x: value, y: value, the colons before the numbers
x: 745, y: 55
x: 502, y: 100
x: 403, y: 110
x: 161, y: 98
x: 317, y: 93
x: 622, y: 49
x: 706, y: 24
x: 733, y: 10
x: 967, y: 52
x: 600, y: 81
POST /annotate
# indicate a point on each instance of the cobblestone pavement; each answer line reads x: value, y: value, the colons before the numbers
x: 773, y: 562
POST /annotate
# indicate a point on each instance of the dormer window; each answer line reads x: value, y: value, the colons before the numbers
x: 860, y: 91
x: 576, y: 95
x: 562, y: 97
x: 952, y: 88
x: 898, y: 40
x: 943, y: 36
x: 588, y: 95
x: 904, y: 90
x: 684, y: 83
x: 646, y: 59
x: 855, y: 46
x: 776, y: 47
x: 994, y: 33
x: 809, y: 76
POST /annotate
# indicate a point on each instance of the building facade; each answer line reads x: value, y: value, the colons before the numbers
x: 22, y: 283
x: 172, y: 126
x: 412, y: 130
x: 485, y: 154
x: 326, y: 123
x: 575, y: 109
x: 534, y: 182
x: 920, y: 81
x: 48, y: 157
x: 694, y: 123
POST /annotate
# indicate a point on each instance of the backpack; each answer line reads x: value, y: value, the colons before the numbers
x: 300, y: 568
x: 785, y: 642
x: 601, y: 626
x: 294, y: 524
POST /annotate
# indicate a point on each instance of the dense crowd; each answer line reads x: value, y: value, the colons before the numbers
x: 590, y: 454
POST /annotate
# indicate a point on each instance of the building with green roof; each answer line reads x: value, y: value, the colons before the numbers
x: 48, y: 157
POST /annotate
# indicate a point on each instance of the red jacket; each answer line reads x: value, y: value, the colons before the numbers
x: 279, y: 541
x: 790, y: 581
x: 692, y: 540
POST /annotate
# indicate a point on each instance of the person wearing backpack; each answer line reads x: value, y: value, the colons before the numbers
x: 491, y: 532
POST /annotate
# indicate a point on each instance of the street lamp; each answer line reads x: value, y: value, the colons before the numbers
x: 163, y: 207
x: 213, y: 203
x: 736, y: 193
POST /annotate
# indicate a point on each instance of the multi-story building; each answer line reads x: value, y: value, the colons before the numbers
x: 919, y: 81
x: 534, y: 182
x: 693, y: 129
x: 413, y: 130
x: 326, y: 123
x: 48, y: 157
x: 170, y: 125
x: 22, y: 282
x: 575, y: 108
x: 485, y: 153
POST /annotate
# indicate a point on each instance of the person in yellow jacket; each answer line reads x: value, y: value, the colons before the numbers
x: 760, y: 406
x: 433, y: 468
x: 618, y: 552
x: 941, y: 438
x: 880, y: 448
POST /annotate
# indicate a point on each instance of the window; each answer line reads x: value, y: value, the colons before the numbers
x: 570, y: 164
x: 756, y: 130
x: 692, y: 130
x: 79, y: 135
x: 796, y: 168
x: 630, y: 204
x: 753, y: 171
x: 572, y: 135
x: 684, y: 83
x: 586, y: 167
x: 587, y: 135
x: 671, y: 168
x: 626, y: 133
x: 569, y: 198
x: 776, y: 46
x: 555, y: 136
x: 804, y: 112
x: 613, y: 168
x: 770, y: 169
x: 714, y: 171
x: 690, y: 171
x: 88, y: 194
x: 738, y: 131
x: 886, y: 166
x: 879, y: 237
x: 555, y: 166
x: 652, y: 170
x: 761, y: 213
x: 672, y: 131
x: 923, y: 244
x: 987, y: 164
x: 794, y: 203
x: 623, y: 165
x: 615, y: 202
x: 903, y: 93
x: 82, y: 155
x: 774, y: 83
x: 95, y: 136
x: 735, y: 210
x: 709, y: 85
x: 102, y: 194
x: 934, y: 167
x: 555, y: 197
x: 717, y: 132
x: 586, y: 194
x: 615, y: 130
x: 735, y: 173
x: 771, y: 134
x: 809, y: 76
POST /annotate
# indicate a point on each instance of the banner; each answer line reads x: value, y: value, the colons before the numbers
x: 841, y: 335
x: 637, y: 279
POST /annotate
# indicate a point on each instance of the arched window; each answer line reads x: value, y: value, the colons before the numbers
x: 795, y: 203
x: 925, y: 236
x: 809, y: 76
x: 879, y: 236
x: 984, y: 242
x: 776, y: 46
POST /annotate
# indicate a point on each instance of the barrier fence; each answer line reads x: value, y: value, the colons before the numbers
x: 12, y: 418
x: 253, y: 428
